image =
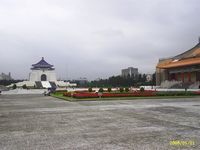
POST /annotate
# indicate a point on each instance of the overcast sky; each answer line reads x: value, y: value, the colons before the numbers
x: 94, y: 38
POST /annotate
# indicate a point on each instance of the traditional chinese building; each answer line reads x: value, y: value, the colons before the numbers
x: 43, y: 76
x: 42, y: 71
x: 183, y: 68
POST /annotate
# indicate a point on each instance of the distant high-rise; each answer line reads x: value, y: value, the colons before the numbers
x: 4, y: 76
x: 129, y: 72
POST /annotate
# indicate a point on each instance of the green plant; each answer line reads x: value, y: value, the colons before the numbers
x: 101, y: 90
x: 14, y: 86
x: 121, y: 89
x: 89, y: 89
x: 126, y: 89
x: 60, y: 91
x: 141, y: 89
x: 24, y: 86
x: 175, y: 93
x: 109, y: 89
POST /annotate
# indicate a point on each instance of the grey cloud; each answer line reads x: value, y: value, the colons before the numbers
x: 93, y: 38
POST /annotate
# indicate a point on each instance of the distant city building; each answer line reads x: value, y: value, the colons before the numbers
x: 81, y: 81
x: 181, y: 71
x: 130, y: 71
x: 149, y: 77
x: 4, y: 76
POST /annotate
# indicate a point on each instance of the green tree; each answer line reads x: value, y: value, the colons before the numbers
x: 154, y: 79
x: 121, y: 89
x: 139, y: 78
x: 127, y: 89
x: 24, y: 86
x: 14, y: 86
x: 144, y: 78
x: 109, y: 89
x: 89, y: 89
x: 141, y: 89
x: 101, y: 90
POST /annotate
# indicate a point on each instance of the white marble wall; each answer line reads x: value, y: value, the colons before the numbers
x: 35, y: 75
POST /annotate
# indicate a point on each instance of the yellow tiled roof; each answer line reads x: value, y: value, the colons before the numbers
x: 179, y: 63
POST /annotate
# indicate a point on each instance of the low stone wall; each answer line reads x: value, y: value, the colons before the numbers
x: 24, y: 91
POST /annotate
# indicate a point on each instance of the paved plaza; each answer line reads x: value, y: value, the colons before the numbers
x: 38, y: 122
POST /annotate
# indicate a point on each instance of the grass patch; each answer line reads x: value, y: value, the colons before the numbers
x: 60, y: 96
x: 71, y: 99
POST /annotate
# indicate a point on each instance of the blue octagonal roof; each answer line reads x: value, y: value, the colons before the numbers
x: 42, y: 64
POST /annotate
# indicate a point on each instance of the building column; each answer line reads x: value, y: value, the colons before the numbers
x: 182, y: 76
x: 176, y: 76
x: 197, y: 76
x: 169, y: 77
x: 189, y: 76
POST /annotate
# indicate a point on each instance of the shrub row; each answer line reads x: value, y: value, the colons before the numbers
x: 135, y: 94
x: 176, y: 93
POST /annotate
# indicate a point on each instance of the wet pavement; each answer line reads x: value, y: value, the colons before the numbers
x: 38, y: 122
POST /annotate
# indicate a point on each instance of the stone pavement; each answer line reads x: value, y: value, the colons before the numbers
x: 38, y: 122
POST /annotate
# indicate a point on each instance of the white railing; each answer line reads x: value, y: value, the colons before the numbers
x: 169, y: 84
x: 195, y: 85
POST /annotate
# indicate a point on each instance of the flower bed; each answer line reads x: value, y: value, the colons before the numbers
x: 134, y: 94
x: 149, y: 93
x: 85, y: 95
x: 197, y: 92
x: 69, y: 94
x: 96, y: 95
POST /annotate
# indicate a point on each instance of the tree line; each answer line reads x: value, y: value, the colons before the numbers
x: 119, y: 81
x: 8, y: 82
